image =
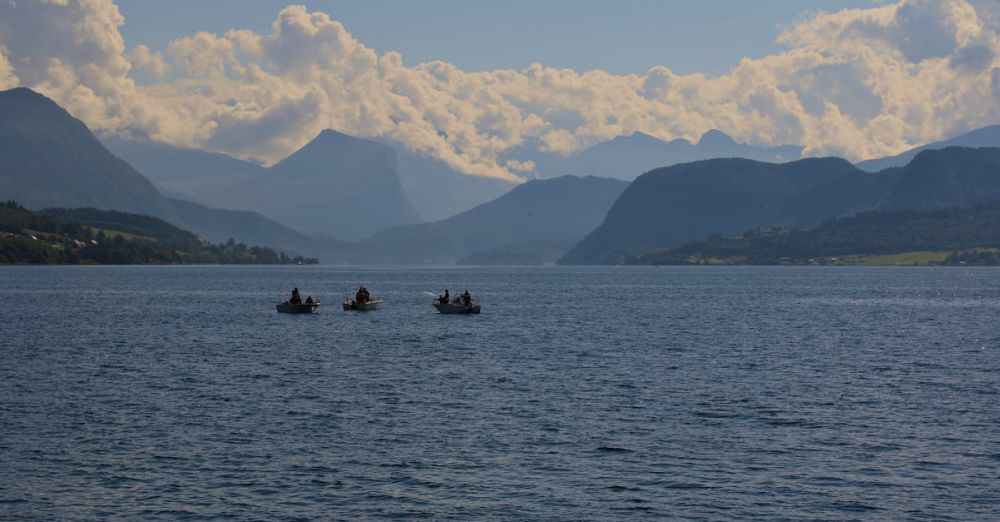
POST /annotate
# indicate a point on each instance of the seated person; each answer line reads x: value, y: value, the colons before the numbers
x: 309, y: 300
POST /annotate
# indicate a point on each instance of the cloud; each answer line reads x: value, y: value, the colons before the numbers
x: 8, y: 79
x: 858, y: 82
x: 143, y: 59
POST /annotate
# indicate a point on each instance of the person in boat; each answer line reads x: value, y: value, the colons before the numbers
x: 444, y: 298
x: 309, y: 300
x: 359, y: 296
x: 296, y: 298
x: 466, y: 298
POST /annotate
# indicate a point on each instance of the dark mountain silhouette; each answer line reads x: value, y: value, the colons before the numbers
x: 549, y: 210
x: 668, y: 206
x: 983, y: 137
x: 439, y: 191
x: 958, y: 235
x: 626, y: 157
x: 942, y: 178
x: 51, y: 159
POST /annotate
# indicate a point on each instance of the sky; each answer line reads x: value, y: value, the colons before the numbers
x: 625, y: 36
x: 466, y: 82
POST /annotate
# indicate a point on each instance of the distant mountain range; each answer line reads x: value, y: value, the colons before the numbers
x: 626, y: 157
x: 170, y: 167
x: 439, y: 191
x: 982, y: 137
x: 354, y: 186
x: 336, y: 184
x: 51, y: 159
x: 535, y: 215
x: 671, y: 205
x: 433, y: 188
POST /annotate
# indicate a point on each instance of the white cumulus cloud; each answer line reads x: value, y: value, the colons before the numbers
x: 7, y: 77
x: 858, y: 82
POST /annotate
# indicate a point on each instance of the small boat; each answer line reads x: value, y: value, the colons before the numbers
x: 302, y: 308
x: 363, y: 306
x: 456, y: 308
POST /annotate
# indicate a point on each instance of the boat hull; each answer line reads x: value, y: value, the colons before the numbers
x: 362, y: 307
x: 452, y: 309
x: 288, y: 308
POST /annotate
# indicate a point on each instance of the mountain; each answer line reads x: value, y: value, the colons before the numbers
x: 966, y: 235
x: 626, y: 157
x: 439, y: 191
x: 549, y: 210
x: 218, y: 225
x: 689, y: 201
x: 92, y: 236
x: 668, y: 206
x: 336, y: 184
x: 434, y: 189
x: 165, y: 165
x: 983, y: 137
x: 51, y: 159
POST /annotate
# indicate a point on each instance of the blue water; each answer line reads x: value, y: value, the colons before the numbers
x: 598, y: 393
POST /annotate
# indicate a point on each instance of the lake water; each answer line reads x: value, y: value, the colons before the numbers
x: 595, y: 393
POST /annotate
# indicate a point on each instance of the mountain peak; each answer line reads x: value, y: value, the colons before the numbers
x: 639, y: 136
x: 330, y: 133
x: 25, y: 98
x: 21, y: 92
x: 332, y: 136
x: 716, y: 138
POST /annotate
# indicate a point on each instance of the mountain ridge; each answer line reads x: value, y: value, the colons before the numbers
x: 550, y: 210
x: 52, y: 159
x: 988, y: 136
x: 627, y: 157
x: 687, y: 202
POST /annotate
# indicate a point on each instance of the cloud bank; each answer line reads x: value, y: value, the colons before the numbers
x: 859, y: 83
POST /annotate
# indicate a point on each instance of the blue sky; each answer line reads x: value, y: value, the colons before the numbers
x: 624, y: 36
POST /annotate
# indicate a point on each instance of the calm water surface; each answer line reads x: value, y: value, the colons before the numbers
x: 604, y: 393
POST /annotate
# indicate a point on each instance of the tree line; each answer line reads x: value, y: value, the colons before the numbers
x: 92, y: 236
x: 970, y: 235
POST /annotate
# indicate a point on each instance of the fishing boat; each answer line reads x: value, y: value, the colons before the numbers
x: 362, y: 301
x: 361, y: 306
x: 301, y: 308
x: 456, y: 306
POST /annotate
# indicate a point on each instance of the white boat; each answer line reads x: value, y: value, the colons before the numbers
x: 456, y: 307
x: 371, y: 304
